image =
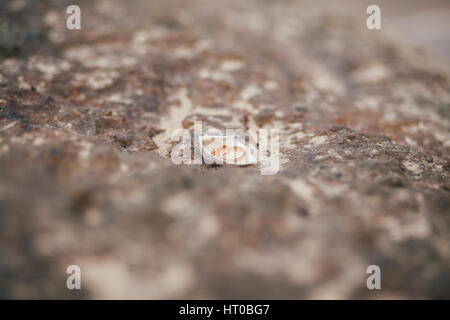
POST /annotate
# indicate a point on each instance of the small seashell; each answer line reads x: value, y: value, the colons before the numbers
x: 226, y: 150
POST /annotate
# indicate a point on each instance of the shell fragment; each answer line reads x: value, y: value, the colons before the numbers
x: 226, y: 150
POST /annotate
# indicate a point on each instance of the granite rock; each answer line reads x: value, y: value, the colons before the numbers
x: 86, y: 178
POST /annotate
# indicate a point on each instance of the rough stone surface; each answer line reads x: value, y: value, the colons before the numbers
x: 85, y: 177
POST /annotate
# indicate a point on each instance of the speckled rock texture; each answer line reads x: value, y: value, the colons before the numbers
x: 86, y: 178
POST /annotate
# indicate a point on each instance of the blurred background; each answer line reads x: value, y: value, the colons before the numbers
x: 422, y: 23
